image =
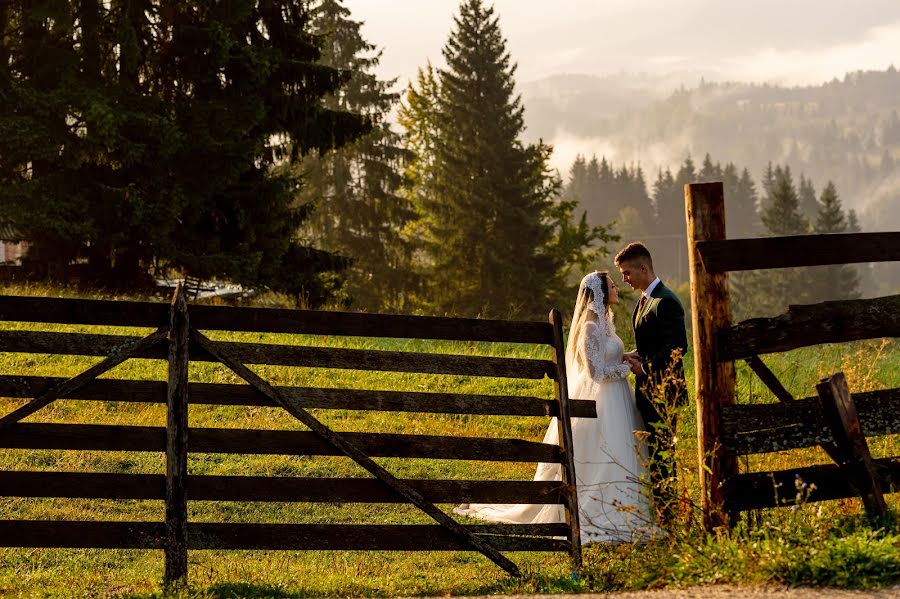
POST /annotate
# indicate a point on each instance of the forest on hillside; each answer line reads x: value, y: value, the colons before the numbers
x: 845, y: 131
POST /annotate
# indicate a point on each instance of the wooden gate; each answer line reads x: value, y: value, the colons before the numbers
x: 179, y: 339
x: 725, y: 430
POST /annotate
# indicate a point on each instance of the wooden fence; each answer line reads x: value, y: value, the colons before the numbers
x: 179, y: 340
x: 832, y: 419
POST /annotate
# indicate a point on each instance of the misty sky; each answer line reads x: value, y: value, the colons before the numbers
x: 785, y: 41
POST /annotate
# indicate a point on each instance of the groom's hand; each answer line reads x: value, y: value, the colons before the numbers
x: 635, y: 362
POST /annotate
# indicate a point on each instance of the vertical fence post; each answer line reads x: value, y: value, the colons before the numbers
x: 714, y: 380
x: 176, y: 441
x: 565, y: 438
x: 855, y: 459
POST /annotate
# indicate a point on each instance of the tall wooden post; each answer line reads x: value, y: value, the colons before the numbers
x: 176, y: 441
x: 714, y: 380
x: 565, y: 438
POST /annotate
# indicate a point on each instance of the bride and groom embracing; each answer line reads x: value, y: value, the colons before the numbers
x: 624, y: 458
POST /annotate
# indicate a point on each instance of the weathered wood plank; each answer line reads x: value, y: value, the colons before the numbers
x: 86, y: 534
x: 566, y: 443
x: 815, y: 324
x: 768, y: 378
x: 760, y: 490
x: 177, y: 441
x: 270, y: 442
x: 308, y: 397
x: 722, y: 255
x: 85, y: 485
x: 150, y: 314
x: 83, y: 311
x: 762, y: 428
x: 102, y: 485
x: 365, y: 537
x: 411, y: 537
x: 358, y: 455
x: 72, y: 344
x: 386, y: 361
x: 118, y: 355
x: 714, y: 379
x: 82, y: 344
x: 847, y: 432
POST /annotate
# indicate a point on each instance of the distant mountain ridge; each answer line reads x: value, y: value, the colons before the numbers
x: 845, y: 130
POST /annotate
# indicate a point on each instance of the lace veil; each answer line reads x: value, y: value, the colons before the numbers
x: 589, y: 308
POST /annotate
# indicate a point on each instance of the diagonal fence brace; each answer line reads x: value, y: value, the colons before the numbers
x: 118, y: 356
x: 353, y: 452
x: 784, y: 396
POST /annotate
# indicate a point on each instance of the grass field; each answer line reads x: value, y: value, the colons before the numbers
x: 820, y: 543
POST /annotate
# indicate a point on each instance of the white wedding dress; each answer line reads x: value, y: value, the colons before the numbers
x: 610, y: 460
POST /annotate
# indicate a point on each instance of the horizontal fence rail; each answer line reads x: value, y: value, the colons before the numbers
x: 273, y: 320
x: 726, y: 255
x: 761, y: 428
x: 760, y: 490
x: 101, y: 485
x: 84, y: 344
x: 309, y: 397
x: 806, y: 325
x: 107, y: 437
x: 365, y: 537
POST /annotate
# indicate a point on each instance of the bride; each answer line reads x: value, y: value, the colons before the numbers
x: 610, y: 460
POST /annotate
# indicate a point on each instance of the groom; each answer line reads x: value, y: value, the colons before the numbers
x: 659, y: 387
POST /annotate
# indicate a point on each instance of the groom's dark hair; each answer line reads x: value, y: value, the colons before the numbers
x: 634, y: 251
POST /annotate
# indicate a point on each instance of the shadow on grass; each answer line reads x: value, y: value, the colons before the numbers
x: 529, y: 583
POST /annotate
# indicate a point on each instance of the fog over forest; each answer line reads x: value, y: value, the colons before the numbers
x: 845, y: 130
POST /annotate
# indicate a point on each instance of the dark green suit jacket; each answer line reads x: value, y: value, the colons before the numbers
x: 659, y: 331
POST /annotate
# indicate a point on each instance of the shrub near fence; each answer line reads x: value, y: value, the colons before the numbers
x: 179, y: 340
x: 834, y: 419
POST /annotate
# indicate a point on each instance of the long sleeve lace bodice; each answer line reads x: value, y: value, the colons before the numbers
x: 603, y: 354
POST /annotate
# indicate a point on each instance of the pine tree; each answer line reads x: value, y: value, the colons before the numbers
x: 499, y: 242
x: 359, y: 210
x: 710, y: 171
x: 781, y: 215
x: 152, y: 141
x: 746, y: 207
x: 418, y: 115
x: 576, y: 187
x: 839, y: 281
x: 809, y: 205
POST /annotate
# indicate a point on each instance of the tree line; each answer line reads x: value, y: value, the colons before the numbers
x: 250, y: 142
x: 779, y: 205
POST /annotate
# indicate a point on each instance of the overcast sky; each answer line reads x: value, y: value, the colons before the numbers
x: 785, y: 41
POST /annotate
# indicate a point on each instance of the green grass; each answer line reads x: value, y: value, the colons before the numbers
x: 824, y: 543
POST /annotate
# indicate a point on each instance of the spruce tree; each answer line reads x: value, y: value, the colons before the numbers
x: 577, y: 186
x: 150, y: 131
x: 809, y: 205
x: 838, y: 281
x: 356, y: 192
x: 746, y: 207
x: 782, y: 217
x: 499, y: 242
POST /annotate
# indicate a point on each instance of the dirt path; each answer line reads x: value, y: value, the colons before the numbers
x: 723, y: 592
